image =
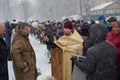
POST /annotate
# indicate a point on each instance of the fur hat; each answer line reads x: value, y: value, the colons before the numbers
x: 112, y: 19
x: 69, y: 25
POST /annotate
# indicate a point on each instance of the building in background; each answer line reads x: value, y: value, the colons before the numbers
x: 108, y: 9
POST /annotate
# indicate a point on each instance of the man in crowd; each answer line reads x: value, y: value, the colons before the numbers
x: 23, y: 55
x: 3, y: 55
x: 51, y: 34
x: 8, y: 33
x: 102, y: 20
x: 70, y: 43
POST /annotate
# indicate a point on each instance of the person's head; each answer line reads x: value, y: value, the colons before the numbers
x: 65, y: 20
x: 59, y: 24
x: 13, y: 23
x: 24, y: 28
x: 116, y: 29
x: 2, y: 29
x: 68, y: 28
x: 112, y: 21
x: 90, y: 22
x: 101, y: 19
x: 78, y: 26
x: 73, y: 22
x: 97, y: 33
x: 48, y: 23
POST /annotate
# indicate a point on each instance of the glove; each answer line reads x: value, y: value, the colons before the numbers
x: 74, y: 57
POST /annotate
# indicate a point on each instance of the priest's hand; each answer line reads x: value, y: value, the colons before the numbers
x: 45, y: 38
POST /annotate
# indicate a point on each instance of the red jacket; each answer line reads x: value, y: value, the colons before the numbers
x: 115, y: 39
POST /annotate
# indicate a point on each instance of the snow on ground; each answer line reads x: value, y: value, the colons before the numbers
x: 42, y: 60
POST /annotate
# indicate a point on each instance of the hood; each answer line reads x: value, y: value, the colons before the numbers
x: 97, y: 33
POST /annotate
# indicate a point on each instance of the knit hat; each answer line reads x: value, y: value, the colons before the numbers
x: 101, y: 17
x: 68, y: 24
x: 112, y: 19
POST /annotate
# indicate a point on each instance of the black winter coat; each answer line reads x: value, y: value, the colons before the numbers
x: 3, y: 60
x: 8, y: 33
x: 100, y: 62
x: 52, y: 34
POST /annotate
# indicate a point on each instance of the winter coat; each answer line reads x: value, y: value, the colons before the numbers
x: 50, y: 32
x: 8, y: 34
x: 100, y: 62
x: 23, y: 56
x: 115, y: 39
x: 3, y: 60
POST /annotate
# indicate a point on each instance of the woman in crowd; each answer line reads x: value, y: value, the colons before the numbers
x: 114, y: 37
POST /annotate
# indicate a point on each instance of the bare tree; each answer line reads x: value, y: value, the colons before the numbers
x: 26, y: 6
x: 87, y: 8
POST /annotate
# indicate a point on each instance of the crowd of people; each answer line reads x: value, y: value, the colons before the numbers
x: 93, y: 47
